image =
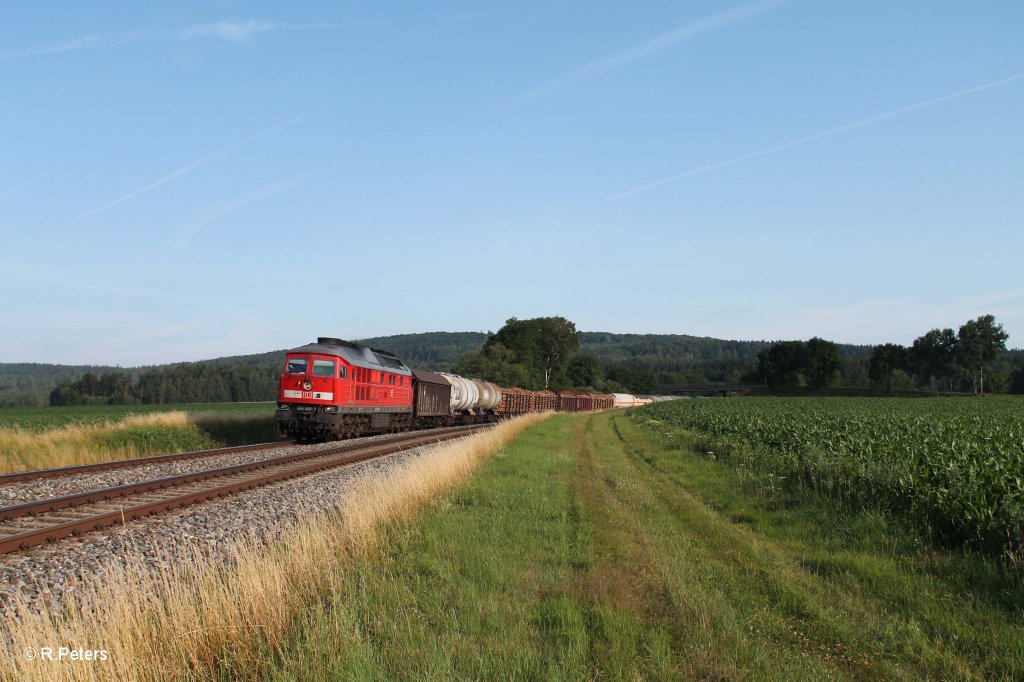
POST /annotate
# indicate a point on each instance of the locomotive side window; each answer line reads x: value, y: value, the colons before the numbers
x: 296, y: 366
x: 323, y: 368
x: 342, y: 372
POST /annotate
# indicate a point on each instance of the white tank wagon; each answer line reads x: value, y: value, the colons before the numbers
x: 465, y: 392
x: 472, y: 397
x: 629, y: 400
x: 490, y: 395
x: 623, y: 400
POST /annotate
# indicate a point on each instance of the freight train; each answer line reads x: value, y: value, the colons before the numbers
x: 338, y: 389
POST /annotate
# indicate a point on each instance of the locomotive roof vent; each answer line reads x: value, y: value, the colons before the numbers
x: 387, y: 359
x: 329, y: 341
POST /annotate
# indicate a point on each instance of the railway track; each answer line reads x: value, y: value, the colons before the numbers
x: 40, y: 522
x: 34, y: 474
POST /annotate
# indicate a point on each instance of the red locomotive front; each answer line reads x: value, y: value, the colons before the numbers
x: 338, y: 389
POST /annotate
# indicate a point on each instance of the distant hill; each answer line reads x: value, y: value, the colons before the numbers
x: 436, y: 351
x: 29, y: 383
x: 718, y: 359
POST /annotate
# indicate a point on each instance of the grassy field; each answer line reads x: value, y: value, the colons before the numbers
x: 596, y: 548
x: 47, y: 418
x: 589, y: 547
x: 35, y: 438
x: 955, y: 467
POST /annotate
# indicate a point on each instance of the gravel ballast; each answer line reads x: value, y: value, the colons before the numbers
x: 41, y: 488
x: 44, y: 575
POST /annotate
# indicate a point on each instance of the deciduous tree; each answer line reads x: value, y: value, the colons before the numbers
x: 885, y: 361
x: 979, y: 343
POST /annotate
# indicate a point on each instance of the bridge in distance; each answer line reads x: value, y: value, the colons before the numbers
x: 707, y: 389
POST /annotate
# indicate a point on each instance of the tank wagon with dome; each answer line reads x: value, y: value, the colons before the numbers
x: 339, y: 389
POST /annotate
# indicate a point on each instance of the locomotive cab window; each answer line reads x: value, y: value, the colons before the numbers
x: 323, y: 368
x: 297, y: 365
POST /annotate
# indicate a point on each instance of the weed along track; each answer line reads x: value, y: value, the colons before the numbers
x: 40, y: 522
x: 58, y: 472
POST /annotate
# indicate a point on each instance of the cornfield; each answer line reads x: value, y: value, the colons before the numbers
x: 954, y: 466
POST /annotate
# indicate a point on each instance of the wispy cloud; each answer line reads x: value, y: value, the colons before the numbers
x: 189, y: 232
x: 188, y: 168
x: 80, y: 43
x: 151, y: 335
x: 810, y: 138
x: 31, y: 279
x: 232, y: 31
x: 27, y: 183
x: 646, y: 49
x: 239, y: 31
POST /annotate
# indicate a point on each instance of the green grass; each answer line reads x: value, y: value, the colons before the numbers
x: 45, y: 418
x: 955, y: 467
x: 595, y: 548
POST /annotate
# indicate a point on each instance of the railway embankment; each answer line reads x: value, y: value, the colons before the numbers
x: 199, y: 592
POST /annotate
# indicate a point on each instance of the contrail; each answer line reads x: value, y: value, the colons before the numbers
x: 191, y: 230
x: 196, y: 164
x: 635, y: 53
x: 810, y: 138
x: 27, y: 183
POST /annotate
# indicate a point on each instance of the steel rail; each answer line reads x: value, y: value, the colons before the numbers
x: 113, y: 492
x: 335, y: 457
x: 33, y: 474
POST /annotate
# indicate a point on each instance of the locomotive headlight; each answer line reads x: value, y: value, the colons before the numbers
x: 331, y: 408
x: 283, y: 406
x: 307, y: 385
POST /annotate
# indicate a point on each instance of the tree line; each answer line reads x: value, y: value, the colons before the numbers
x: 973, y: 358
x: 944, y: 359
x: 549, y: 352
x: 186, y: 383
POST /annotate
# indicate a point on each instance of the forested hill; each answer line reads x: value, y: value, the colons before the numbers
x: 699, y: 358
x: 430, y: 350
x: 30, y: 383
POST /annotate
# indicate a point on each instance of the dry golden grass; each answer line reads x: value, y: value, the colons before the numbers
x: 133, y: 436
x: 185, y: 625
x: 75, y: 443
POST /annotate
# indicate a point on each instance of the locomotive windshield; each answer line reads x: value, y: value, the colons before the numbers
x: 323, y: 368
x: 296, y: 366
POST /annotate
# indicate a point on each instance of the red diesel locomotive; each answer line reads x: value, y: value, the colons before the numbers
x: 334, y: 388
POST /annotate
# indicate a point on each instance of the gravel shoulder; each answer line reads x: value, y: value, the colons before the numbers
x: 44, y: 575
x: 30, y: 491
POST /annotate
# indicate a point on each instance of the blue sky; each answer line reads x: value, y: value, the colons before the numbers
x: 195, y: 179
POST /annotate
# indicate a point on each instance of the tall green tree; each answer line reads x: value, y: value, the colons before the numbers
x: 822, y: 362
x: 933, y: 355
x: 885, y: 361
x: 979, y: 343
x: 782, y: 363
x: 494, y: 362
x: 584, y: 370
x: 543, y: 345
